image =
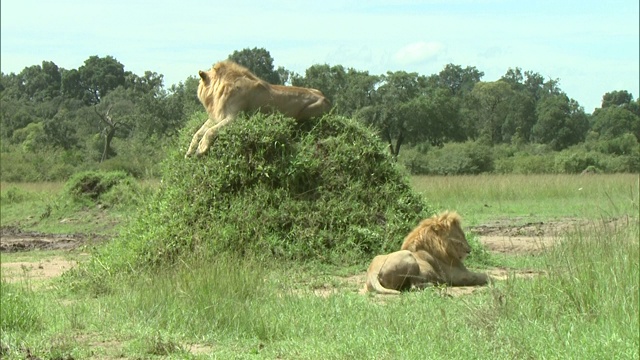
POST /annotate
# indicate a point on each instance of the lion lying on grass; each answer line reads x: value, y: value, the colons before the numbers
x: 432, y: 253
x: 228, y: 89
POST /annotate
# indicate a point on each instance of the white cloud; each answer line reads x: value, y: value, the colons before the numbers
x: 418, y: 52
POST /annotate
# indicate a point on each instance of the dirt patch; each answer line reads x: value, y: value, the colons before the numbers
x: 517, y: 245
x: 13, y: 239
x: 45, y: 269
x: 518, y: 237
x: 520, y: 227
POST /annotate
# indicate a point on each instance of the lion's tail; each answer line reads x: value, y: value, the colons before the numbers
x: 373, y: 284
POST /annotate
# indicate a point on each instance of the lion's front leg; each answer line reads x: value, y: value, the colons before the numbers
x: 464, y: 277
x: 198, y: 136
x: 209, y: 136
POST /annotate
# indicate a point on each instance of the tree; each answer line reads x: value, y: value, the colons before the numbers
x: 357, y: 91
x: 62, y: 128
x: 116, y: 116
x: 328, y: 79
x: 150, y: 83
x: 561, y: 122
x: 31, y: 137
x: 260, y: 62
x: 404, y: 112
x: 432, y: 118
x: 497, y: 113
x: 40, y: 83
x: 93, y: 80
x: 347, y: 89
x: 616, y: 98
x: 458, y: 80
x: 14, y: 114
x: 614, y: 121
x: 71, y: 86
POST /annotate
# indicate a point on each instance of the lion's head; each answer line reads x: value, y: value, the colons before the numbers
x: 215, y: 85
x: 441, y: 236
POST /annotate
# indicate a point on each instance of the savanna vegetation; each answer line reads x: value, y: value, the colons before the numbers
x: 257, y: 249
x: 56, y: 122
x: 584, y: 303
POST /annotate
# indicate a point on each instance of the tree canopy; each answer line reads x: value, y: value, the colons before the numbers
x: 100, y: 111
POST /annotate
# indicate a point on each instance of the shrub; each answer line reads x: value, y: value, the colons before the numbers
x: 15, y: 195
x: 468, y: 158
x: 94, y: 185
x: 576, y: 161
x: 533, y: 164
x: 17, y: 167
x: 322, y: 191
x: 48, y: 164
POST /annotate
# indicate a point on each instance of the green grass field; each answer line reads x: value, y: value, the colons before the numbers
x: 532, y: 197
x: 585, y: 307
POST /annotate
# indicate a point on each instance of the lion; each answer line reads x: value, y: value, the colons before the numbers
x: 432, y: 253
x: 229, y: 89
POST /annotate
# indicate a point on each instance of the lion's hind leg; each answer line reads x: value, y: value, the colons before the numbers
x: 198, y: 136
x: 392, y: 273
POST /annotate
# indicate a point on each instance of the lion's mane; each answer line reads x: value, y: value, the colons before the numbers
x: 441, y: 236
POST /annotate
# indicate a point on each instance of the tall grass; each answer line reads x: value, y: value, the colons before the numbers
x: 540, y: 197
x: 586, y: 306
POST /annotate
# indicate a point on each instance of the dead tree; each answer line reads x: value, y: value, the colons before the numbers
x: 108, y: 131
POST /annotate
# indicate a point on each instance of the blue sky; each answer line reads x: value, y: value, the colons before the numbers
x: 592, y: 47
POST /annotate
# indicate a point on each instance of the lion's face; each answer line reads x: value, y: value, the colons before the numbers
x: 458, y: 247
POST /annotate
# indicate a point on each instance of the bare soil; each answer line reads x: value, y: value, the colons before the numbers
x: 13, y: 239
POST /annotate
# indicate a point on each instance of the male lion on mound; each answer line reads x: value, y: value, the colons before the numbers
x: 228, y: 89
x: 432, y: 253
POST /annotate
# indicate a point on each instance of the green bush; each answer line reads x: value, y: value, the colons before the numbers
x: 98, y: 187
x: 50, y: 164
x: 15, y: 195
x: 576, y: 161
x: 322, y: 191
x: 17, y: 167
x: 627, y: 144
x: 468, y: 158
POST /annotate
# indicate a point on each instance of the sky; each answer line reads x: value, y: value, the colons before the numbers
x: 591, y: 47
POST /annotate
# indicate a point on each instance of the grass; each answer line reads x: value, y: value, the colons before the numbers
x: 586, y: 307
x: 43, y: 207
x: 532, y: 197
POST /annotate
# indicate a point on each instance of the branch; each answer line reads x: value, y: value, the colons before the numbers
x: 106, y: 118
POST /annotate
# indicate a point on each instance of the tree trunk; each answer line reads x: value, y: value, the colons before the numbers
x: 395, y: 150
x: 107, y: 143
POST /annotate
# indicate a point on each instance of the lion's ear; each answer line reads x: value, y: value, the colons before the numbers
x: 204, y: 76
